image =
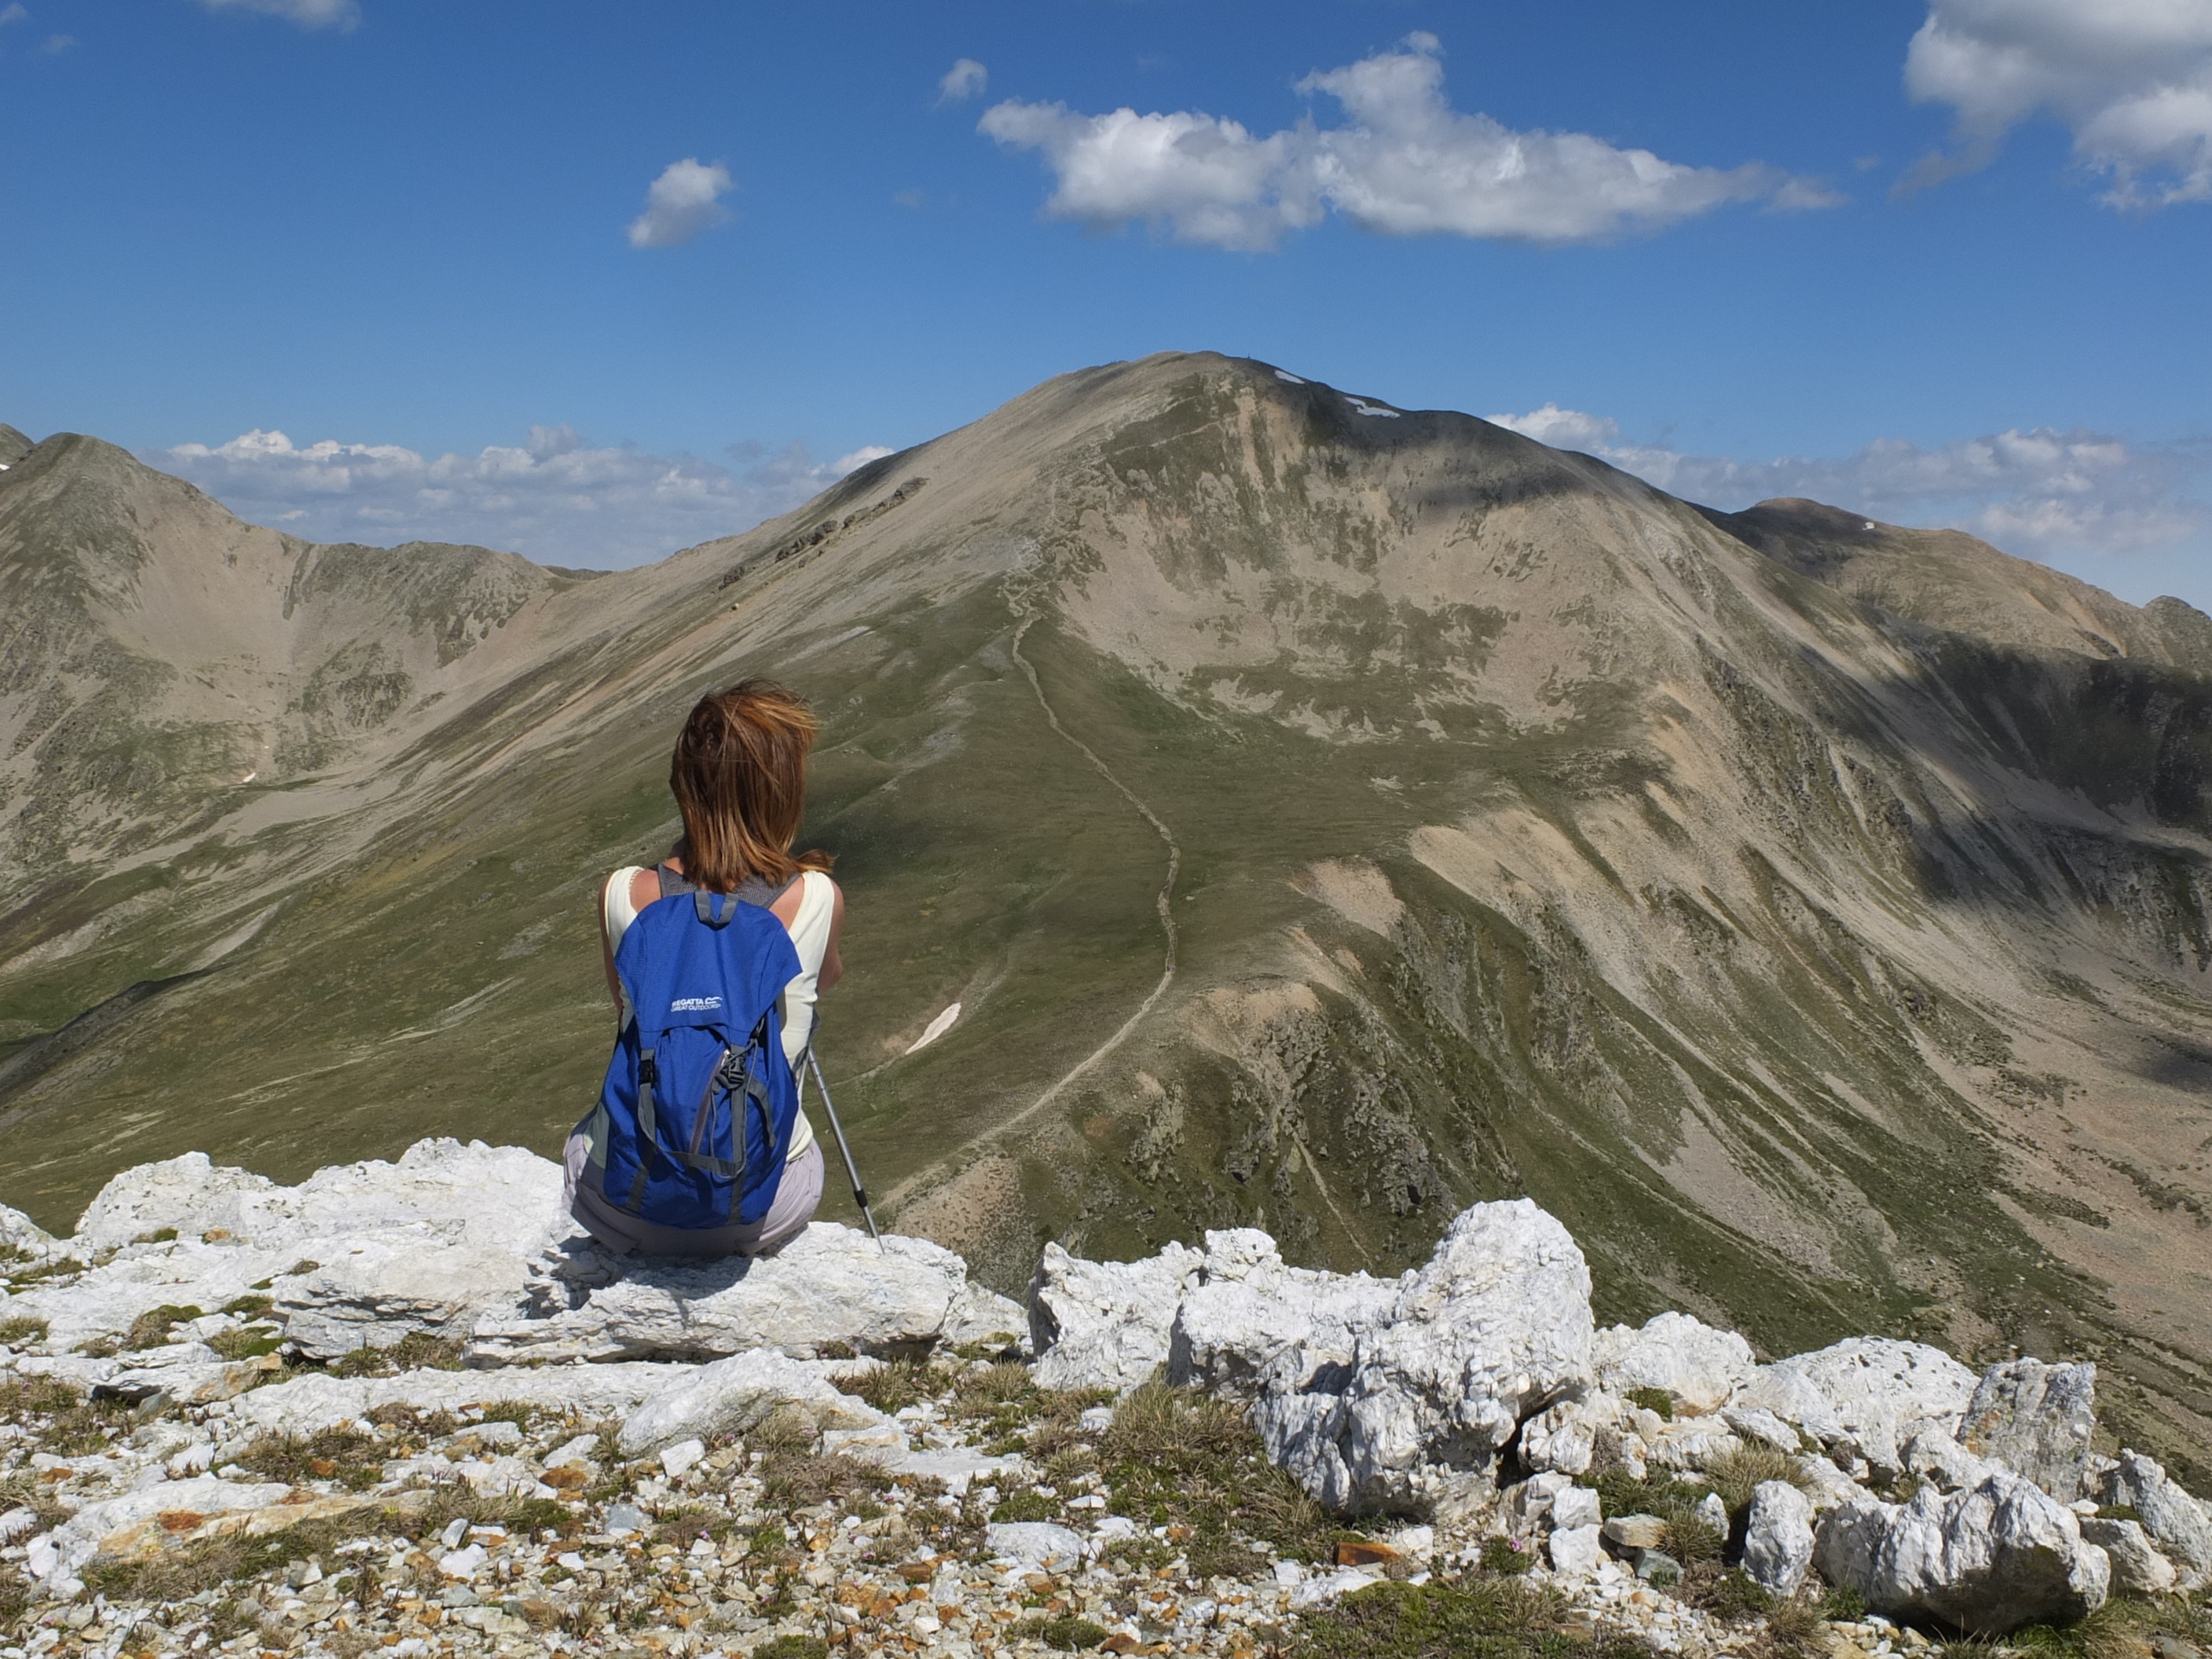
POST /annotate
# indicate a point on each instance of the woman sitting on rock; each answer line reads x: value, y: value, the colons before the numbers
x: 739, y: 780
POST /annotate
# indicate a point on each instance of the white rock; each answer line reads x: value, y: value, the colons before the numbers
x: 957, y: 1467
x: 682, y: 1455
x: 2036, y: 1420
x: 1246, y: 1307
x: 1578, y: 1506
x: 19, y: 1233
x: 463, y: 1564
x: 315, y: 1401
x: 1864, y: 1396
x: 502, y: 1477
x: 1577, y: 1550
x: 1320, y: 1589
x: 1777, y: 1539
x: 1496, y: 1326
x: 1105, y: 1324
x: 1756, y: 1423
x: 1933, y: 1455
x: 1712, y: 1513
x: 733, y: 1394
x: 2137, y: 1565
x: 831, y: 1284
x: 1827, y: 1485
x: 1035, y: 1543
x: 204, y: 1495
x: 1702, y: 1368
x: 1564, y: 1436
x: 977, y: 1315
x: 2177, y: 1523
x: 1988, y: 1560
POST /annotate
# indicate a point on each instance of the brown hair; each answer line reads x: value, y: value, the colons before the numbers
x: 739, y: 778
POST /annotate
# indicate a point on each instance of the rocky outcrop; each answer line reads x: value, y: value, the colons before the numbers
x: 1380, y: 1397
x: 1493, y: 1329
x: 1864, y: 1397
x: 2177, y: 1523
x: 1989, y: 1559
x: 2036, y: 1420
x: 1699, y: 1367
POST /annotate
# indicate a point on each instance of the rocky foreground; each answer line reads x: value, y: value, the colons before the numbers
x: 407, y: 1406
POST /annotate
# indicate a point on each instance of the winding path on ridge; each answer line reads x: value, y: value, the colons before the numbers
x: 924, y: 1178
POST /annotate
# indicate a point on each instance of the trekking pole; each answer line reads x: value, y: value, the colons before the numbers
x: 852, y: 1169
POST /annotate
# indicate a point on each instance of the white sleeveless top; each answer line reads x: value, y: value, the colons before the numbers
x: 810, y: 937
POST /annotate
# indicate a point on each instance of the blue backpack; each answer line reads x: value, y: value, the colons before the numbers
x: 699, y: 1101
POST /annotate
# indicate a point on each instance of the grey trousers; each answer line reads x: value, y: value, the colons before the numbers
x: 796, y: 1197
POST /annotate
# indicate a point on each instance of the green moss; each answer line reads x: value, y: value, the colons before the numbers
x: 1489, y: 1617
x: 1658, y: 1400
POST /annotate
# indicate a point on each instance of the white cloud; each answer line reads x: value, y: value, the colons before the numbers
x: 14, y: 12
x: 2132, y: 78
x: 555, y: 497
x: 966, y: 79
x: 1404, y: 164
x: 308, y: 14
x: 2037, y: 494
x: 680, y: 203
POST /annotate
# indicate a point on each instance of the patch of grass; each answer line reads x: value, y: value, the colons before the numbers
x: 1179, y: 1459
x: 686, y: 1526
x: 1027, y: 1505
x: 25, y: 1397
x: 250, y: 1343
x: 1660, y: 1494
x: 2123, y: 1628
x: 1653, y: 1400
x: 1069, y: 1635
x: 354, y: 1459
x: 1479, y: 1618
x: 1690, y: 1540
x: 417, y: 1351
x: 793, y: 1647
x: 418, y: 1427
x: 1506, y: 1558
x: 151, y: 1329
x: 248, y: 1307
x: 890, y: 1388
x: 786, y: 1431
x: 17, y: 1332
x: 798, y: 1480
x: 159, y: 1235
x: 100, y: 1348
x: 64, y: 1268
x: 188, y: 1569
x: 1737, y: 1474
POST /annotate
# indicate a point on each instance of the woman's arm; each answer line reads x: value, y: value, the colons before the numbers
x: 607, y: 948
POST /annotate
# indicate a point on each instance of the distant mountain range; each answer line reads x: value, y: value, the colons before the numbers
x: 1323, y: 814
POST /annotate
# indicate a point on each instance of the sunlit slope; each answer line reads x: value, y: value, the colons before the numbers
x: 1811, y: 916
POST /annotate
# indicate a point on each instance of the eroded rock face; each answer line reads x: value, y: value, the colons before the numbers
x: 1246, y: 1307
x: 1702, y: 1368
x: 1777, y: 1539
x: 1865, y: 1396
x: 2036, y: 1420
x: 2177, y: 1523
x: 1105, y: 1324
x: 1493, y: 1329
x: 2138, y: 1566
x: 831, y: 1284
x: 1988, y: 1560
x: 737, y: 1394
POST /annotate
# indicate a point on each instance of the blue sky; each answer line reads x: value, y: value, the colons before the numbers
x: 377, y: 268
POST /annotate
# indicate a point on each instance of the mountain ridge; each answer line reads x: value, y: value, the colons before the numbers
x: 1824, y: 968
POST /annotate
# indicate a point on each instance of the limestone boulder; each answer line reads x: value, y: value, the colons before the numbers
x: 1988, y: 1560
x: 2138, y: 1566
x: 310, y: 1403
x: 2036, y: 1420
x: 1700, y: 1367
x: 1106, y: 1324
x: 734, y: 1395
x: 25, y: 1238
x: 1935, y: 1456
x: 2177, y: 1523
x: 1495, y: 1327
x: 1777, y: 1537
x: 1865, y: 1396
x: 830, y: 1286
x: 1244, y: 1307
